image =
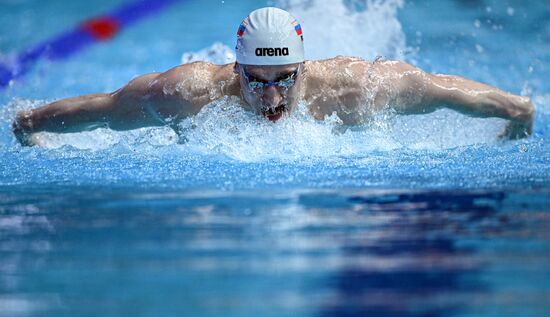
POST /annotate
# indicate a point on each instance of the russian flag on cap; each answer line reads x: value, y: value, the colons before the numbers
x: 240, y: 32
x: 298, y: 29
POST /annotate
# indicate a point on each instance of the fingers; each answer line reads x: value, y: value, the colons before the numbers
x: 25, y: 139
x: 517, y: 130
x: 22, y: 127
x: 521, y: 124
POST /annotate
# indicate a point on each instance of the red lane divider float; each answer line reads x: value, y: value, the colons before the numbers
x: 102, y: 29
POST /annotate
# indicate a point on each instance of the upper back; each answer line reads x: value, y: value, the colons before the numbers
x: 337, y: 84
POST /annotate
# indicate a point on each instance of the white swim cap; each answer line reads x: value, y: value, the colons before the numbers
x: 270, y: 36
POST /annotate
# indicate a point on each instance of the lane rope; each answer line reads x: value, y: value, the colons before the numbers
x: 93, y: 30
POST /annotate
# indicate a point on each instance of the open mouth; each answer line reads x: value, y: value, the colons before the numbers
x: 274, y: 114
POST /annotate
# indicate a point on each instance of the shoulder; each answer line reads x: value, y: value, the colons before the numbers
x: 197, y: 82
x: 380, y: 72
x: 334, y: 73
x: 193, y: 69
x: 358, y: 66
x: 390, y: 67
x: 192, y: 75
x: 338, y: 64
x: 341, y: 70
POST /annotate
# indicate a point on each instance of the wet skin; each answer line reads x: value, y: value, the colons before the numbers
x: 351, y: 88
x: 272, y: 101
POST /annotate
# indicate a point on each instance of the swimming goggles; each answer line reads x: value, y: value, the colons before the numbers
x: 286, y: 81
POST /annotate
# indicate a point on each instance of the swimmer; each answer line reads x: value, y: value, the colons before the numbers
x: 271, y: 76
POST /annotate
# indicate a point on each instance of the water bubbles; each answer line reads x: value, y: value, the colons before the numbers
x: 418, y: 37
x: 477, y: 23
x: 510, y: 11
x: 245, y: 136
x: 526, y: 89
x: 479, y: 49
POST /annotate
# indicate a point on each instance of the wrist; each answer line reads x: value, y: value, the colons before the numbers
x: 23, y: 122
x: 524, y: 111
x: 23, y: 127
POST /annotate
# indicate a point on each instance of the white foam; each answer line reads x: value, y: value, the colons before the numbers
x: 101, y: 139
x: 217, y: 53
x: 225, y: 128
x: 334, y: 28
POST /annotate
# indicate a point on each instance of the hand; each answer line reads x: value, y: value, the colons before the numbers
x: 522, y: 125
x: 22, y: 127
x: 517, y: 130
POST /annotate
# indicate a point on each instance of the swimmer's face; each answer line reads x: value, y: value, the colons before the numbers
x: 271, y: 91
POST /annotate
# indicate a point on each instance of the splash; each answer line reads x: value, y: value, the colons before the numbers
x: 363, y: 28
x: 224, y: 127
x: 218, y: 53
x: 99, y: 139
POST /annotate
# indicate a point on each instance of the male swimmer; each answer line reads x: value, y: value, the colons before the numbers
x: 271, y: 77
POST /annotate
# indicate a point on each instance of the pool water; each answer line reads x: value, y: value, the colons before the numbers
x: 406, y: 216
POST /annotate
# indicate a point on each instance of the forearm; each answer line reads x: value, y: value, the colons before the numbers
x: 149, y: 100
x: 127, y: 108
x: 67, y: 115
x: 477, y: 99
x: 413, y: 91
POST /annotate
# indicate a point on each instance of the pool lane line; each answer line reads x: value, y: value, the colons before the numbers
x: 96, y: 29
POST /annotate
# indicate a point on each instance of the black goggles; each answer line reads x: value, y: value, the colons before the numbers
x: 285, y: 81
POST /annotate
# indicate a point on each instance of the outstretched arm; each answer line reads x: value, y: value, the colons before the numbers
x: 148, y: 100
x: 123, y: 109
x: 419, y: 92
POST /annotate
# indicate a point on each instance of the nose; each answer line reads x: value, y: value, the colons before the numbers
x: 272, y: 97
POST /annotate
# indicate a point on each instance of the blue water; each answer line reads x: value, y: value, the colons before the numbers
x: 408, y: 216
